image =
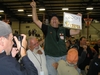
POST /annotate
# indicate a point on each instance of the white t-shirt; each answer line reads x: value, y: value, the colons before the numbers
x: 38, y: 59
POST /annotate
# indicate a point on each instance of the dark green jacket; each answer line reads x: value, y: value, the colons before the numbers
x: 52, y: 46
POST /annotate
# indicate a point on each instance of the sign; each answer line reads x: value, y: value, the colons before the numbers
x: 88, y: 21
x: 72, y: 21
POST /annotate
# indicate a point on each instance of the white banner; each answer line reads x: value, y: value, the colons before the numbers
x: 72, y: 21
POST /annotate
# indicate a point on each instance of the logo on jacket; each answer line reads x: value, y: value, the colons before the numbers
x: 61, y: 36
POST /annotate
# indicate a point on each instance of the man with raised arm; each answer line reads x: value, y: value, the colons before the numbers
x: 55, y: 35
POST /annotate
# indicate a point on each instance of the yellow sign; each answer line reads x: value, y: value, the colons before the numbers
x: 72, y: 21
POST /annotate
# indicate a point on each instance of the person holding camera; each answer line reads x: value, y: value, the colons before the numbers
x: 8, y: 64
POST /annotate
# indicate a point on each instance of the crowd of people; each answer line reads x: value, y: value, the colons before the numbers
x: 59, y: 55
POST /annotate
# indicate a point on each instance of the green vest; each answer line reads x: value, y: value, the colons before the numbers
x: 52, y: 46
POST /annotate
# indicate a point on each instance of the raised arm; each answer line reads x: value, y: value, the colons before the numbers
x: 34, y: 14
x: 74, y: 31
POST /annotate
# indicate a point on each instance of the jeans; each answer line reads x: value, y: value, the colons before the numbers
x: 50, y: 60
x: 83, y: 72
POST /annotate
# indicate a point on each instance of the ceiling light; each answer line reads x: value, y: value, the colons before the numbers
x: 65, y: 9
x: 29, y: 15
x: 42, y: 9
x: 20, y: 10
x: 89, y: 8
x: 1, y: 11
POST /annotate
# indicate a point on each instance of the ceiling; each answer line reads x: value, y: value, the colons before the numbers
x: 10, y: 8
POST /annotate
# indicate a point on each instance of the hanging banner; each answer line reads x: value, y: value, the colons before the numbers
x: 72, y: 21
x: 88, y: 21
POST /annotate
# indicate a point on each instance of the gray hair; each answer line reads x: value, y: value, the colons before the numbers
x: 30, y: 38
x: 5, y: 29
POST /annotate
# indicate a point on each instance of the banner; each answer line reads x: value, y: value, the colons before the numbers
x: 72, y: 21
x: 88, y: 21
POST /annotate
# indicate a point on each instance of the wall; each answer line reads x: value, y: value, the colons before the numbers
x: 25, y: 27
x: 15, y: 26
x: 94, y: 31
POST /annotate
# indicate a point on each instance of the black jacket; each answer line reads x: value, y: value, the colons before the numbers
x: 94, y: 67
x: 96, y: 47
x: 10, y: 66
x: 87, y: 59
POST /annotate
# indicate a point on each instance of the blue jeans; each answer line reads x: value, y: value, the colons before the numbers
x: 50, y: 60
x: 83, y: 72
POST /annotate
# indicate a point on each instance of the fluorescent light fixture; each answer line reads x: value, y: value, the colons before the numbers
x: 20, y: 10
x: 89, y: 8
x: 29, y: 15
x: 65, y: 9
x: 42, y: 9
x: 1, y: 11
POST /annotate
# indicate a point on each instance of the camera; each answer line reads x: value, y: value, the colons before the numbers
x: 19, y: 37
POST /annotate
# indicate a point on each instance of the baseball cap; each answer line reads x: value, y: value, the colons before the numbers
x: 72, y: 56
x: 5, y: 29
